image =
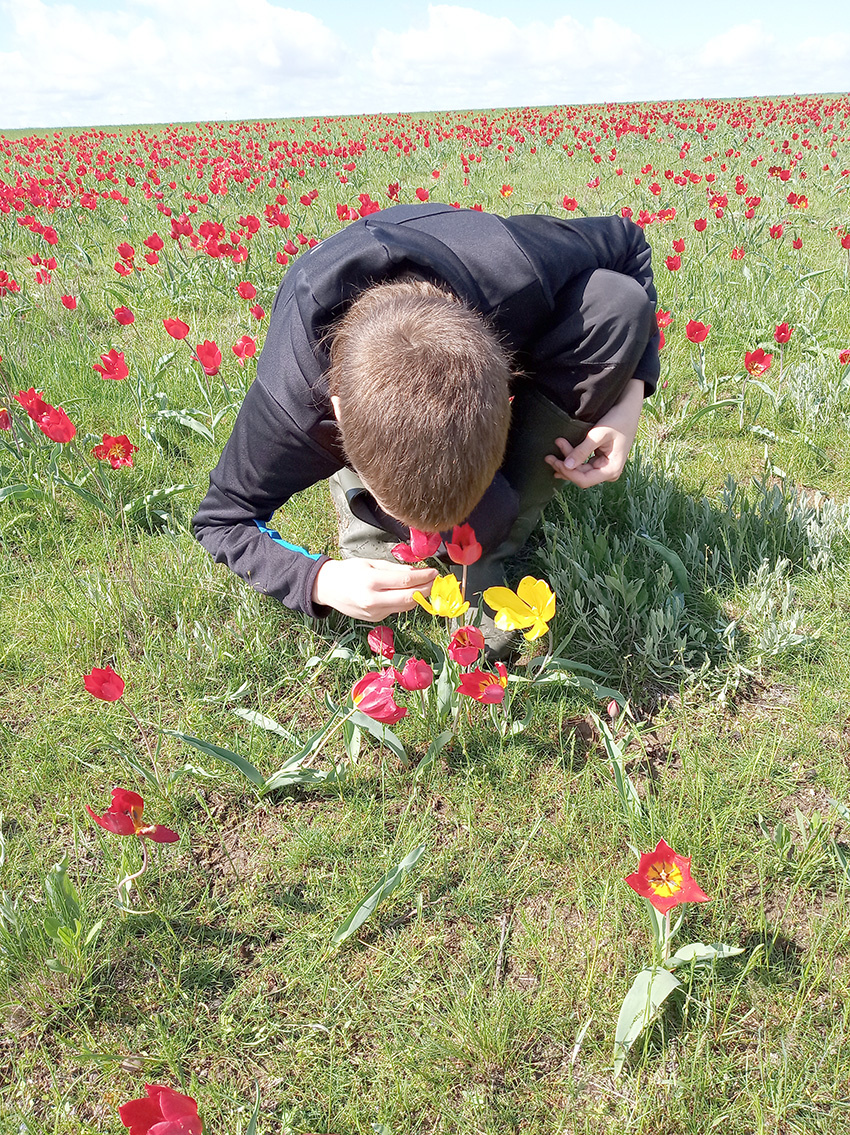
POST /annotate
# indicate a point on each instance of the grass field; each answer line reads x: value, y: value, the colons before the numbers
x: 709, y: 588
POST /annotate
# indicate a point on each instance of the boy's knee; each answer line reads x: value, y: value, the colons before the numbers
x: 614, y: 299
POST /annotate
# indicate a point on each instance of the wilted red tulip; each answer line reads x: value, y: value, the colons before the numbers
x: 113, y: 366
x: 757, y: 362
x: 783, y: 333
x: 116, y: 450
x: 209, y: 356
x: 246, y: 290
x: 464, y: 548
x: 70, y: 302
x: 484, y: 687
x: 373, y: 695
x: 467, y: 643
x: 664, y: 878
x: 416, y: 675
x: 124, y: 316
x: 697, y: 332
x: 124, y: 817
x: 176, y: 328
x: 381, y: 641
x: 104, y: 684
x: 163, y: 1112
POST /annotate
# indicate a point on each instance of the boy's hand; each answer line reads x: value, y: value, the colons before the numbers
x: 602, y: 455
x: 370, y: 589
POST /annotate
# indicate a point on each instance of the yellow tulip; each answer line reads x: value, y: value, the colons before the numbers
x: 531, y: 606
x: 445, y: 598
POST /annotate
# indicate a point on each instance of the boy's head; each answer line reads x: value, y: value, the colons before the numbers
x: 421, y: 392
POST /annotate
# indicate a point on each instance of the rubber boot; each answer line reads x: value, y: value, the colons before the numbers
x: 535, y: 423
x: 355, y: 507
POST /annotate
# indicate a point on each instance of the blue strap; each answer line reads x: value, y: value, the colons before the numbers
x: 278, y: 539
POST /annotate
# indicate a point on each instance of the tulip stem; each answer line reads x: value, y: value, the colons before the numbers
x: 126, y: 884
x: 145, y: 739
x: 665, y: 948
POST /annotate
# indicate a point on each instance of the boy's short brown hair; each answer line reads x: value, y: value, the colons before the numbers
x: 423, y: 388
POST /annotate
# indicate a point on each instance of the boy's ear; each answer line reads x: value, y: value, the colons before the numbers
x: 335, y: 405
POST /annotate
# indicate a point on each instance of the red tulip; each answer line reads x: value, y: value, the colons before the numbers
x: 70, y: 302
x: 416, y: 675
x: 124, y: 316
x: 373, y: 695
x: 467, y: 643
x: 246, y: 290
x: 154, y: 242
x: 697, y: 332
x: 176, y: 328
x: 757, y: 362
x: 783, y: 333
x: 113, y: 366
x: 116, y: 450
x: 464, y: 548
x: 245, y: 348
x: 124, y: 817
x: 126, y: 251
x: 844, y: 357
x: 674, y: 263
x: 33, y: 402
x: 104, y: 684
x: 484, y: 687
x: 663, y: 319
x: 5, y: 419
x: 56, y: 425
x: 570, y: 204
x: 776, y: 231
x: 209, y: 356
x: 164, y: 1112
x: 422, y: 194
x: 381, y: 641
x: 664, y: 878
x: 700, y: 223
x: 257, y: 311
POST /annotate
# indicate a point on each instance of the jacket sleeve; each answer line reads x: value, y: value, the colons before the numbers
x: 266, y: 460
x: 561, y: 249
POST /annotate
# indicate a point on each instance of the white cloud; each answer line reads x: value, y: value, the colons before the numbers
x: 149, y: 62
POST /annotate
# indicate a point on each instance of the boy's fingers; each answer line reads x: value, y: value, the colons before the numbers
x: 390, y: 578
x: 579, y: 453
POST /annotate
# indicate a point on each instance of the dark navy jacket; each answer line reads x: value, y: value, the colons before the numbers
x: 285, y: 437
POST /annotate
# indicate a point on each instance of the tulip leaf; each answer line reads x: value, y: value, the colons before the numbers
x: 263, y: 722
x: 699, y: 953
x: 17, y: 492
x: 233, y: 759
x: 292, y: 777
x: 642, y: 1006
x: 62, y: 898
x: 382, y: 889
x: 674, y: 561
x: 84, y: 494
x: 445, y: 690
x: 383, y: 734
x: 434, y: 749
x: 686, y: 423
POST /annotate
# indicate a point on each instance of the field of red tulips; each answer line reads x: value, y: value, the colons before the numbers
x: 435, y: 928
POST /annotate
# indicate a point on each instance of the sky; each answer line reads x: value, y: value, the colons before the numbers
x: 105, y: 62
